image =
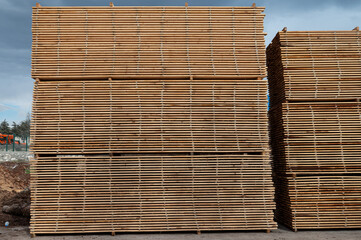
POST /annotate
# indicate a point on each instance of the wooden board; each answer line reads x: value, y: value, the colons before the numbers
x: 149, y: 119
x: 315, y: 128
x: 319, y: 138
x: 104, y: 42
x: 150, y: 116
x: 81, y: 194
x: 319, y: 201
x: 314, y: 65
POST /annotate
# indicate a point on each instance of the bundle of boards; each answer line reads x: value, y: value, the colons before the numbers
x: 149, y: 119
x: 122, y: 42
x: 315, y: 121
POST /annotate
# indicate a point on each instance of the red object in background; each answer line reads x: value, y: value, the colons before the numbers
x: 10, y: 139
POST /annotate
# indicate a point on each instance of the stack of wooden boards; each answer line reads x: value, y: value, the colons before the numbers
x: 122, y: 42
x: 315, y: 120
x: 149, y: 119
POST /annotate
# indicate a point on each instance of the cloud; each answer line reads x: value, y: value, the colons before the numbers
x: 4, y: 107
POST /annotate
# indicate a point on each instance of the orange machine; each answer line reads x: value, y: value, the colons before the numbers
x: 10, y: 139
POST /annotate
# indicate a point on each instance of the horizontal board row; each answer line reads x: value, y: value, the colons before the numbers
x: 79, y: 193
x: 317, y: 137
x: 314, y: 65
x: 149, y: 116
x: 138, y: 41
x: 319, y: 202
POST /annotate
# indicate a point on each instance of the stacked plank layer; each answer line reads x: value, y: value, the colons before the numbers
x: 314, y: 65
x: 315, y: 119
x: 149, y: 119
x: 132, y: 116
x: 139, y: 41
x: 152, y: 193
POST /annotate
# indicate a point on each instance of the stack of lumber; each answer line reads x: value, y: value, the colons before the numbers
x: 149, y: 119
x: 150, y: 116
x: 159, y: 41
x: 102, y: 193
x: 314, y: 65
x: 315, y: 122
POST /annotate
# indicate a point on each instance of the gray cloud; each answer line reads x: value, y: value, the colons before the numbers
x: 15, y: 29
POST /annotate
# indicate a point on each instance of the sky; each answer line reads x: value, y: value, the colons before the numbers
x: 15, y: 34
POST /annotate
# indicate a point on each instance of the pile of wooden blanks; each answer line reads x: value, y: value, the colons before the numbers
x: 150, y: 116
x: 102, y: 193
x: 314, y: 66
x: 150, y: 119
x: 122, y: 42
x: 315, y: 122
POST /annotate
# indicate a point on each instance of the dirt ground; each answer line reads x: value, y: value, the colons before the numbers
x: 14, y: 177
x: 21, y: 233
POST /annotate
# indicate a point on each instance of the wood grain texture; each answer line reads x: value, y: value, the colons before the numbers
x: 315, y: 123
x: 314, y: 65
x: 318, y: 138
x: 149, y: 119
x: 143, y: 116
x: 318, y: 201
x: 151, y: 193
x: 136, y: 41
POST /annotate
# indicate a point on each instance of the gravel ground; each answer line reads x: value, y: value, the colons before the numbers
x: 14, y: 156
x: 279, y: 234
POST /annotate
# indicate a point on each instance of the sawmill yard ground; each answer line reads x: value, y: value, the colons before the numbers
x: 279, y: 234
x: 14, y: 178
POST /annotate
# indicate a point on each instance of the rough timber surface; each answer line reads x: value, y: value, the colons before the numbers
x: 319, y: 201
x: 319, y: 138
x: 315, y: 123
x: 107, y: 42
x: 139, y: 116
x: 151, y: 193
x: 149, y: 119
x: 314, y: 65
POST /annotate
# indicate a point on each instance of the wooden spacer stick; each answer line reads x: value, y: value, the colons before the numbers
x: 284, y: 29
x: 254, y: 5
x: 356, y: 29
x: 186, y: 4
x: 38, y: 5
x: 111, y: 4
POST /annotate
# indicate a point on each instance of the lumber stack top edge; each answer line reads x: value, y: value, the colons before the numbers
x: 147, y: 7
